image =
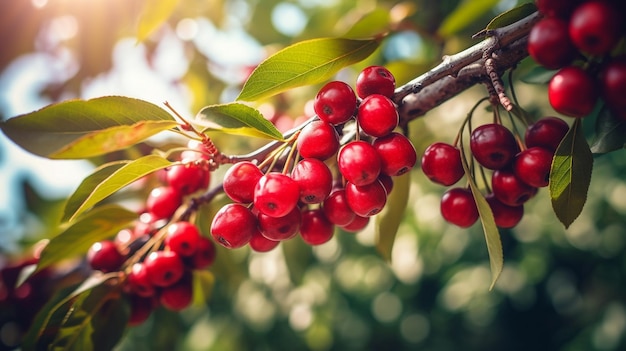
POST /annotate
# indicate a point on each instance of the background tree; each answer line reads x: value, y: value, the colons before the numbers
x: 408, y: 279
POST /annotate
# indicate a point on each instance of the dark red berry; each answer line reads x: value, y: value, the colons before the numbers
x: 509, y: 189
x: 105, y: 256
x: 613, y: 85
x: 163, y: 202
x: 595, y: 27
x: 366, y: 200
x: 178, y: 296
x: 280, y: 228
x: 164, y: 268
x: 314, y: 180
x: 458, y: 207
x: 233, y: 226
x: 240, y: 180
x: 318, y: 139
x: 259, y: 243
x: 336, y: 208
x: 547, y: 133
x: 276, y: 194
x: 182, y: 237
x: 315, y: 228
x: 375, y: 80
x: 188, y: 178
x: 505, y: 216
x: 204, y: 255
x: 549, y: 43
x: 335, y: 103
x: 359, y: 162
x: 377, y: 115
x: 139, y: 282
x: 572, y: 92
x: 397, y: 154
x: 356, y: 225
x: 532, y: 166
x: 140, y: 309
x: 441, y: 163
x: 556, y: 8
x: 493, y: 145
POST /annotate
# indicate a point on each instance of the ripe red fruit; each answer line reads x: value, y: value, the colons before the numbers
x: 441, y: 163
x: 359, y: 223
x: 572, y: 92
x: 549, y: 43
x: 318, y: 139
x: 104, y: 256
x: 140, y: 309
x: 509, y: 189
x: 188, y: 178
x: 366, y: 200
x: 204, y: 255
x: 359, y: 162
x: 595, y: 27
x: 164, y: 268
x: 493, y: 145
x: 233, y: 226
x: 336, y: 208
x: 182, y: 238
x: 546, y: 133
x: 163, y: 202
x: 458, y: 207
x: 178, y: 296
x: 532, y: 166
x: 276, y: 194
x: 240, y: 180
x: 505, y: 216
x: 377, y: 115
x: 280, y: 228
x: 375, y: 80
x: 314, y: 180
x: 397, y: 154
x: 315, y: 228
x: 335, y: 103
x: 259, y: 243
x: 613, y: 85
x: 556, y: 8
x: 138, y: 281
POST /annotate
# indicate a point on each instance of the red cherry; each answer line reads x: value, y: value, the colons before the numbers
x: 163, y: 202
x: 356, y: 225
x: 397, y: 154
x: 336, y: 208
x: 314, y: 180
x: 259, y: 243
x: 139, y: 282
x: 177, y: 297
x: 458, y: 207
x: 182, y: 237
x: 318, y: 139
x: 613, y: 85
x: 509, y: 189
x: 359, y: 162
x: 140, y: 309
x: 549, y: 43
x: 204, y: 255
x: 595, y: 27
x: 366, y: 200
x: 316, y: 229
x: 547, y: 133
x: 505, y: 216
x: 493, y: 145
x: 556, y: 8
x: 572, y: 92
x: 188, y: 178
x: 164, y: 268
x: 233, y: 226
x: 240, y: 180
x: 532, y: 166
x: 377, y: 115
x: 104, y: 256
x: 335, y: 103
x: 441, y: 163
x: 276, y: 194
x: 280, y: 228
x: 375, y: 80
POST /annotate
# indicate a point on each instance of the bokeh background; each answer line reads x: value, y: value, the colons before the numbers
x: 560, y: 289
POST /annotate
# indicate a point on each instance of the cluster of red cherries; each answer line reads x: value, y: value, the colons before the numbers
x: 581, y: 39
x: 517, y: 170
x: 329, y: 185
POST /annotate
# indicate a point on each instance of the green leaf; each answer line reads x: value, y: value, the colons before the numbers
x: 238, y: 119
x: 610, y: 134
x: 99, y: 224
x: 538, y: 75
x: 513, y: 15
x: 388, y: 221
x: 108, y: 179
x: 154, y: 14
x: 373, y: 23
x: 570, y: 175
x: 467, y: 13
x: 304, y: 63
x: 203, y: 283
x: 85, y: 128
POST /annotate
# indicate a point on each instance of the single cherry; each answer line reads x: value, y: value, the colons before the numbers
x: 547, y: 133
x: 549, y: 43
x: 595, y: 27
x: 493, y: 145
x: 318, y: 139
x: 397, y: 154
x: 314, y: 180
x: 182, y: 237
x: 441, y: 163
x: 233, y: 225
x: 259, y: 243
x: 375, y: 80
x: 276, y: 194
x: 359, y: 162
x: 505, y: 216
x: 240, y: 180
x: 164, y: 268
x: 572, y: 92
x: 366, y: 200
x: 280, y: 228
x: 336, y: 208
x: 458, y: 207
x: 335, y: 103
x: 105, y: 256
x: 163, y: 202
x: 509, y: 189
x: 532, y: 166
x: 315, y: 228
x: 377, y: 115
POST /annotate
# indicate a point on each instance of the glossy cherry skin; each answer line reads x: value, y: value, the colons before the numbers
x: 397, y: 154
x: 240, y: 180
x: 233, y: 226
x: 163, y: 202
x: 105, y: 256
x: 356, y: 225
x: 182, y: 237
x: 276, y: 194
x: 259, y: 243
x: 458, y: 207
x: 441, y: 163
x: 336, y: 208
x: 280, y: 228
x: 377, y: 115
x: 549, y: 43
x: 532, y: 166
x: 359, y: 163
x: 315, y: 228
x: 164, y: 268
x: 366, y: 200
x: 509, y: 189
x: 335, y: 103
x: 493, y: 145
x: 318, y: 139
x: 547, y: 133
x: 375, y: 80
x: 505, y: 216
x: 595, y: 27
x: 188, y: 178
x: 314, y: 179
x: 613, y: 85
x: 573, y: 92
x: 138, y: 281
